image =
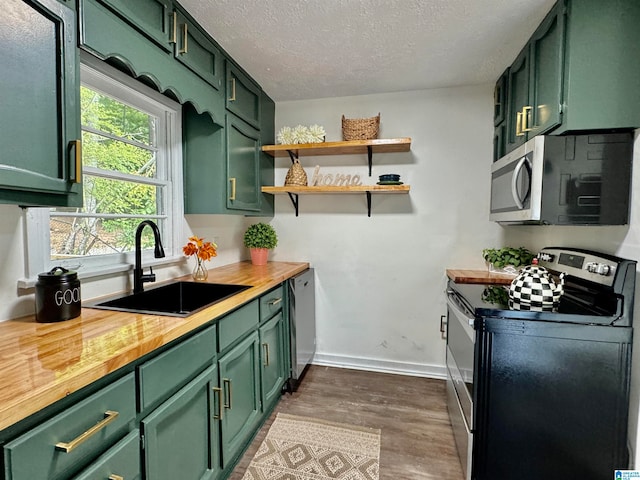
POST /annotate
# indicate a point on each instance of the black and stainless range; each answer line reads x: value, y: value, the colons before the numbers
x: 539, y: 394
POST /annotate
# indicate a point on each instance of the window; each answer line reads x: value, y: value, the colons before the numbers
x: 131, y: 155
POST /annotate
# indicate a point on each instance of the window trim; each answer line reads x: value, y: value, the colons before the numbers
x: 36, y: 220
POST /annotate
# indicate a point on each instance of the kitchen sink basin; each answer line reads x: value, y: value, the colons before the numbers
x: 179, y: 299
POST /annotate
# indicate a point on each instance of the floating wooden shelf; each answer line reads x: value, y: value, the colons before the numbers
x: 381, y: 145
x: 294, y: 191
x: 389, y: 145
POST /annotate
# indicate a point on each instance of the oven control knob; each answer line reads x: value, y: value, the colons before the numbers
x: 602, y: 269
x: 592, y: 267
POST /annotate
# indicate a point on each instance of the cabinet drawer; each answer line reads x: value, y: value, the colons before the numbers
x: 161, y: 376
x: 271, y: 303
x: 235, y: 325
x: 120, y: 461
x: 40, y: 453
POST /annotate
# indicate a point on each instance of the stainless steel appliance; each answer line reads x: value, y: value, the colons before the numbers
x: 564, y: 180
x: 539, y: 394
x: 302, y: 314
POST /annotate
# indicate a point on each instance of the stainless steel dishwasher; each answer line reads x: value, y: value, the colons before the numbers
x: 302, y: 314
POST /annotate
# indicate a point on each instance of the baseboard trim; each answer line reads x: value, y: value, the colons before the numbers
x: 382, y: 366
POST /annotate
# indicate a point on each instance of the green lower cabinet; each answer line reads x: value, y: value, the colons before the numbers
x: 181, y: 437
x: 272, y: 359
x: 120, y: 461
x: 240, y: 382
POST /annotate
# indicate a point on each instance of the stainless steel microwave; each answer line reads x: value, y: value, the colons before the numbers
x: 564, y: 180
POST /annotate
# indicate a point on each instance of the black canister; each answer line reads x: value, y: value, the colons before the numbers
x: 57, y: 296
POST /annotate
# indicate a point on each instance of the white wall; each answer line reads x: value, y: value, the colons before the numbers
x: 380, y: 280
x: 623, y: 241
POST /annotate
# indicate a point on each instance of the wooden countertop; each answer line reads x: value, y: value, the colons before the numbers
x: 479, y: 276
x: 43, y: 362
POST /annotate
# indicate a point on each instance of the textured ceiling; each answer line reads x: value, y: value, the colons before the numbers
x: 303, y: 49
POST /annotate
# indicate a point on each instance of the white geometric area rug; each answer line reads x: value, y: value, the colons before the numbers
x: 303, y: 448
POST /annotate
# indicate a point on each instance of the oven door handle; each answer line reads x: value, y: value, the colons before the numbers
x: 457, y: 308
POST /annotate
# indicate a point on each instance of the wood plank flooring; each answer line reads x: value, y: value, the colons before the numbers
x: 416, y: 441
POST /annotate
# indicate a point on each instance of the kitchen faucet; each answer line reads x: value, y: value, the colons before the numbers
x: 139, y: 278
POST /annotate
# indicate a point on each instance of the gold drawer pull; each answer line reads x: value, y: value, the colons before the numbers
x: 218, y: 390
x: 77, y: 167
x: 266, y: 354
x: 526, y: 116
x: 109, y: 415
x: 185, y: 40
x: 174, y: 30
x: 275, y: 301
x: 113, y: 476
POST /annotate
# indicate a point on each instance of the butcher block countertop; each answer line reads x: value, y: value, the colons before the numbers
x: 479, y: 276
x: 44, y: 362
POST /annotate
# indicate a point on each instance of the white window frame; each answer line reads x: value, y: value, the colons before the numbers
x: 106, y: 79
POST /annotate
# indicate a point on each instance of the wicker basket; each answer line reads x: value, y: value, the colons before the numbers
x: 296, y: 175
x: 360, y: 128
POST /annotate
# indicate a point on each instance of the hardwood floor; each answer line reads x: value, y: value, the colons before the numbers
x: 416, y: 441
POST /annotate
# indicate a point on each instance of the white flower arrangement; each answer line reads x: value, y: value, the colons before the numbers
x: 301, y: 134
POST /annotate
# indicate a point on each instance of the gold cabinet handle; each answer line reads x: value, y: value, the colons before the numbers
x: 226, y: 382
x: 266, y: 354
x: 77, y: 167
x: 275, y: 301
x: 233, y: 90
x: 174, y: 29
x: 233, y: 188
x: 526, y: 114
x: 113, y: 476
x: 218, y: 390
x: 109, y: 415
x: 185, y: 40
x: 519, y: 132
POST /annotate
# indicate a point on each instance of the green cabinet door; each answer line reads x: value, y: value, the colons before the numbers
x: 196, y: 50
x: 517, y: 100
x: 272, y: 359
x: 546, y: 69
x: 181, y: 437
x: 40, y: 121
x: 243, y: 165
x: 240, y: 381
x: 153, y: 18
x: 243, y: 96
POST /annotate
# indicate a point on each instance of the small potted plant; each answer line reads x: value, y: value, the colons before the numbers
x: 507, y: 259
x: 259, y: 239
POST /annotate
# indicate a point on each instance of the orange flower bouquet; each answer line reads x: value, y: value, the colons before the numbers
x: 202, y: 251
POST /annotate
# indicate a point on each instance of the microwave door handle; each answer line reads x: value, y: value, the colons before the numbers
x: 514, y: 183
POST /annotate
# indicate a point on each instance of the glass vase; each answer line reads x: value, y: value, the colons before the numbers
x: 200, y: 273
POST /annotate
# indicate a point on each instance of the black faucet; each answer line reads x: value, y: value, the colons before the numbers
x: 139, y: 278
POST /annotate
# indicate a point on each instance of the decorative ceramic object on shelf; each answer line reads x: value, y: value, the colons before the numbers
x: 535, y: 289
x: 301, y: 134
x: 259, y: 238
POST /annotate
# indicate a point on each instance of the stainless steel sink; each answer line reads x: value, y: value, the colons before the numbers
x: 179, y: 299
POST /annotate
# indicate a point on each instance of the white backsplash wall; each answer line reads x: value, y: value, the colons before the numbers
x: 623, y: 241
x: 381, y: 280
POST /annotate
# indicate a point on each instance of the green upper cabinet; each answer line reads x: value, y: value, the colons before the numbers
x: 535, y: 82
x: 578, y: 72
x: 150, y: 17
x: 243, y: 95
x: 40, y: 121
x: 196, y: 50
x: 243, y: 165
